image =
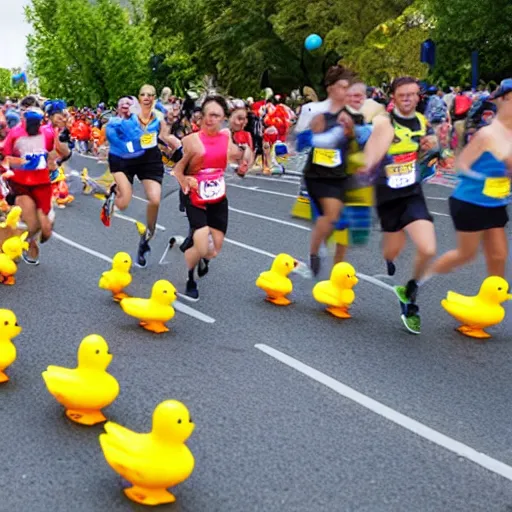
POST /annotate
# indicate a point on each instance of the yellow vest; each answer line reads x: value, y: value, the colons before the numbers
x: 403, y: 142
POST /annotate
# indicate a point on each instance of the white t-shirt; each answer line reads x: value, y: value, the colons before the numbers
x: 309, y: 112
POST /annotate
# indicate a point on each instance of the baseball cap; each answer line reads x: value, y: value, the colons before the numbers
x: 52, y: 107
x: 504, y: 88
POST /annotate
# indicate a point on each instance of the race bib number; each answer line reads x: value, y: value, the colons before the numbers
x: 148, y: 140
x: 327, y: 157
x: 498, y: 188
x: 401, y: 175
x: 211, y: 190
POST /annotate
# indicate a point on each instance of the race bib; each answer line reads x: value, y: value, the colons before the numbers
x: 327, y: 157
x: 212, y: 190
x: 401, y: 175
x: 148, y: 140
x: 498, y: 188
x: 211, y: 187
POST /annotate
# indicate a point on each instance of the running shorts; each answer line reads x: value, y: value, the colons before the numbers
x: 40, y: 194
x: 320, y: 188
x: 395, y: 215
x: 468, y: 217
x: 148, y: 166
x: 213, y: 215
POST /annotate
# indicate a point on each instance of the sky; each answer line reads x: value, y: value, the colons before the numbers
x: 13, y: 34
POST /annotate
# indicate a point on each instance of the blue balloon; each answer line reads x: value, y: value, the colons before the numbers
x: 313, y: 42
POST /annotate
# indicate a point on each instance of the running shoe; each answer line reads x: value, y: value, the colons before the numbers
x: 314, y: 264
x: 191, y: 291
x: 107, y: 210
x: 411, y: 319
x: 391, y: 268
x: 27, y: 257
x: 142, y: 251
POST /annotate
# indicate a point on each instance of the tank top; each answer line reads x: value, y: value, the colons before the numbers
x: 399, y: 174
x: 328, y: 163
x: 493, y: 191
x: 215, y: 154
x: 211, y: 187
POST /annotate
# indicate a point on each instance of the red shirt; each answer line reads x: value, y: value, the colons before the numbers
x: 243, y: 137
x: 35, y: 149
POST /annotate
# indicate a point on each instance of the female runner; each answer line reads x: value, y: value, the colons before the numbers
x: 200, y: 174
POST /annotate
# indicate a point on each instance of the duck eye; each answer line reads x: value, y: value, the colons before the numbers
x: 97, y: 351
x: 499, y: 289
x: 165, y: 291
x: 6, y: 323
x: 179, y: 421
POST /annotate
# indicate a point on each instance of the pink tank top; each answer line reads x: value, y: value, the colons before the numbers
x: 215, y: 150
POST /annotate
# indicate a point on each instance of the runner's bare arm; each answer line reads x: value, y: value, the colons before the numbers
x: 181, y: 166
x: 173, y: 142
x: 379, y: 142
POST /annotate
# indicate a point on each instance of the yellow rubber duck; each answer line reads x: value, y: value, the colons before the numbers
x: 119, y: 277
x: 12, y: 250
x: 337, y: 293
x: 88, y: 388
x: 154, y: 461
x: 275, y: 282
x: 9, y: 329
x: 12, y: 218
x: 155, y: 311
x: 481, y: 311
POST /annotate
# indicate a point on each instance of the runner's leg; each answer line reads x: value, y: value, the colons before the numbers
x: 496, y: 251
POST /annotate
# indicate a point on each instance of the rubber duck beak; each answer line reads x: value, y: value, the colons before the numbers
x: 295, y: 264
x: 509, y: 297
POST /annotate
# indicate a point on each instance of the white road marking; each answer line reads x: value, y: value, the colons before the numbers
x: 288, y: 181
x: 134, y: 221
x: 140, y: 199
x: 302, y: 269
x: 131, y: 219
x: 270, y: 219
x: 91, y: 157
x: 263, y: 191
x: 179, y: 306
x: 81, y: 247
x: 187, y: 310
x: 440, y: 214
x: 396, y: 417
x: 438, y: 198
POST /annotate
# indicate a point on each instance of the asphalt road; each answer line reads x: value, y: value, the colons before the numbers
x: 374, y: 422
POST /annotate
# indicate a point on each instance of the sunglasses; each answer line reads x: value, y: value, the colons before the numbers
x: 148, y: 94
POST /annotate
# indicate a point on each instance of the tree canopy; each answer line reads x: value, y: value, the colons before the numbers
x: 88, y: 51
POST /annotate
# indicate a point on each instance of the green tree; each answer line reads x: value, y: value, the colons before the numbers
x: 7, y: 88
x: 462, y: 26
x: 88, y: 52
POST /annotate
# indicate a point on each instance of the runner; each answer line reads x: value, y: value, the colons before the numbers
x: 478, y: 206
x: 200, y: 174
x: 134, y: 152
x: 243, y: 139
x: 401, y: 205
x: 325, y: 172
x: 26, y: 149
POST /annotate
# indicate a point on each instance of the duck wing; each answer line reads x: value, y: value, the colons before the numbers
x: 462, y: 300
